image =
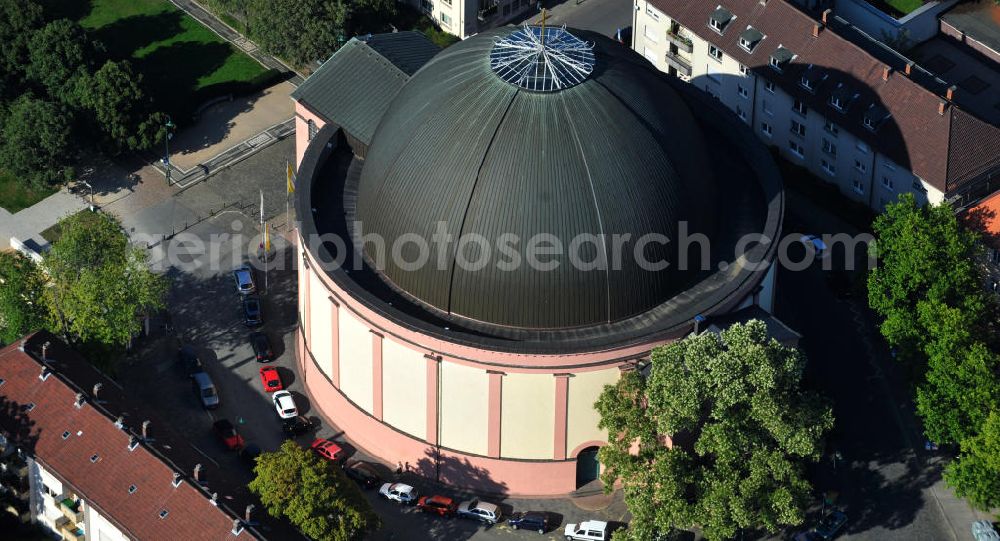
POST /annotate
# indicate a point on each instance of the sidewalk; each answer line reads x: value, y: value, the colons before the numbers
x: 28, y: 224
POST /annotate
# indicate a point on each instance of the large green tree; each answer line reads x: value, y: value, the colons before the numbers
x: 22, y: 296
x: 299, y: 31
x: 18, y: 20
x: 320, y: 500
x: 101, y: 285
x: 35, y: 141
x: 975, y: 474
x: 742, y: 429
x: 60, y: 54
x: 113, y: 97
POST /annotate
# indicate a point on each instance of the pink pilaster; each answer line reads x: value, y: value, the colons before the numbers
x: 495, y: 413
x: 433, y: 364
x: 377, y: 375
x: 306, y: 275
x: 335, y: 342
x: 561, y: 409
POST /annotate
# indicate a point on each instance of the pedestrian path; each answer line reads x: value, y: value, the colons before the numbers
x: 28, y: 224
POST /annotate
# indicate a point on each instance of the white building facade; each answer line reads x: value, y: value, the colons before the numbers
x: 464, y: 18
x: 57, y: 507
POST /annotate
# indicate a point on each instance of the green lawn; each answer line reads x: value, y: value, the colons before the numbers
x: 183, y: 62
x: 14, y: 196
x: 897, y: 8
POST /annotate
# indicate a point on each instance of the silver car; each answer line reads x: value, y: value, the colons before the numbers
x: 205, y: 390
x: 479, y: 510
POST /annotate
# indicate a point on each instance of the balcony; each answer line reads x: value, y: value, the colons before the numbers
x: 682, y: 42
x: 71, y: 509
x: 682, y: 66
x: 69, y: 530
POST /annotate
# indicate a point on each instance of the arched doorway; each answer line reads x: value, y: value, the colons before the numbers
x: 588, y: 468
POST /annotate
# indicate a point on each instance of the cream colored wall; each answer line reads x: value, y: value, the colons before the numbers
x: 404, y: 389
x: 355, y: 360
x: 464, y: 408
x: 321, y: 337
x: 584, y: 389
x: 100, y: 528
x: 527, y: 426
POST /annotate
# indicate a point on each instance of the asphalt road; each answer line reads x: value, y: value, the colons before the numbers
x: 602, y: 16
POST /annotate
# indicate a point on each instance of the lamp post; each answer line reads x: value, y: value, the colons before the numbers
x: 166, y: 145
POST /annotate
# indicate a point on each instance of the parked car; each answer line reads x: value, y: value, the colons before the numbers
x: 530, y: 520
x: 982, y: 530
x: 399, y: 492
x: 252, y: 316
x: 327, y: 449
x: 249, y: 454
x: 296, y: 426
x: 270, y: 379
x: 441, y: 506
x: 284, y: 404
x: 363, y: 473
x: 228, y: 435
x: 188, y: 360
x: 261, y: 347
x: 588, y: 530
x: 244, y: 281
x: 831, y: 524
x: 205, y: 389
x: 479, y: 510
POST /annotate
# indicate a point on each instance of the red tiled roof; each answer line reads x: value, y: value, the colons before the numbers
x: 984, y: 217
x: 104, y: 484
x: 944, y: 150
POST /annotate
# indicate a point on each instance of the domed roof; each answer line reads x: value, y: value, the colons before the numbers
x: 467, y: 152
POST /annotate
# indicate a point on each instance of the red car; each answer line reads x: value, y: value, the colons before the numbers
x: 228, y: 435
x: 439, y: 505
x: 327, y: 449
x: 270, y: 378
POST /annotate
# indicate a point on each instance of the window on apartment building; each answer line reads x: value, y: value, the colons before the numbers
x: 720, y: 18
x: 742, y: 91
x: 650, y: 33
x: 744, y: 71
x: 765, y: 128
x: 769, y: 86
x: 918, y: 186
x: 860, y: 166
x: 313, y: 130
x: 445, y: 19
x: 715, y: 52
x: 888, y: 166
x: 749, y: 38
x: 650, y: 54
x: 831, y: 128
x: 829, y: 147
x: 798, y: 128
x: 858, y: 186
x: 448, y: 2
x: 427, y: 5
x: 829, y: 167
x: 799, y: 107
x: 862, y: 147
x: 652, y: 13
x: 766, y: 106
x: 887, y: 183
x: 741, y: 113
x: 796, y: 148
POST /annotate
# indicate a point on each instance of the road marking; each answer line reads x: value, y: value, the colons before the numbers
x: 210, y: 459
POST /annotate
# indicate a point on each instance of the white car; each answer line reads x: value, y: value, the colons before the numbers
x: 589, y: 530
x: 285, y: 405
x: 399, y: 492
x: 982, y: 530
x: 479, y: 510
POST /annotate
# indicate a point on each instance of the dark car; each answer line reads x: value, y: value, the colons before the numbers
x: 251, y: 311
x: 830, y: 525
x: 363, y: 473
x: 188, y: 360
x: 296, y: 426
x: 530, y: 520
x: 228, y: 435
x: 261, y: 347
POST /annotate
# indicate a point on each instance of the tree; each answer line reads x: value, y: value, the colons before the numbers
x: 317, y: 498
x: 60, y: 54
x: 924, y: 256
x: 741, y: 426
x: 975, y: 474
x: 22, y: 288
x: 114, y: 98
x: 299, y: 31
x: 35, y: 142
x: 18, y: 21
x: 101, y: 285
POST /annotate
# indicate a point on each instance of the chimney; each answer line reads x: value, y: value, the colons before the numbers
x: 45, y: 351
x: 96, y: 391
x: 197, y: 473
x: 816, y: 28
x: 145, y: 429
x: 885, y: 72
x: 79, y: 400
x: 941, y: 106
x: 698, y: 320
x: 248, y: 513
x: 46, y: 372
x: 177, y: 480
x: 237, y: 527
x: 133, y: 442
x: 909, y: 68
x: 826, y: 15
x: 120, y: 422
x: 215, y: 499
x: 950, y: 93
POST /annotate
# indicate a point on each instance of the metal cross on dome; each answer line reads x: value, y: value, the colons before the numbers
x: 542, y: 58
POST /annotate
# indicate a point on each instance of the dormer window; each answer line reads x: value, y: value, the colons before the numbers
x: 811, y: 78
x: 874, y: 116
x: 841, y: 98
x: 780, y: 58
x: 720, y: 18
x: 749, y: 39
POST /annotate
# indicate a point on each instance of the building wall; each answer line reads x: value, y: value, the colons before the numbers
x: 320, y: 315
x: 100, y: 529
x: 527, y: 426
x: 302, y: 118
x: 584, y: 389
x: 856, y: 169
x: 404, y: 398
x: 356, y: 359
x: 461, y: 17
x: 464, y: 408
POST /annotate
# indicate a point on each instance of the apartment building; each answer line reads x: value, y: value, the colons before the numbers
x: 464, y: 18
x: 826, y: 95
x: 87, y: 462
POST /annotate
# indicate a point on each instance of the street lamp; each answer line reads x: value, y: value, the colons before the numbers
x: 91, y: 188
x: 166, y: 144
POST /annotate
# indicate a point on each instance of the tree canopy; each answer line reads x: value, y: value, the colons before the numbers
x: 299, y: 31
x: 320, y: 500
x: 100, y: 284
x: 22, y: 299
x: 59, y: 56
x: 36, y: 141
x: 742, y: 429
x: 975, y: 474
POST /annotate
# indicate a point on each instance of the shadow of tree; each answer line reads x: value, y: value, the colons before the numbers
x: 61, y: 9
x: 174, y: 72
x: 124, y: 37
x: 458, y: 472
